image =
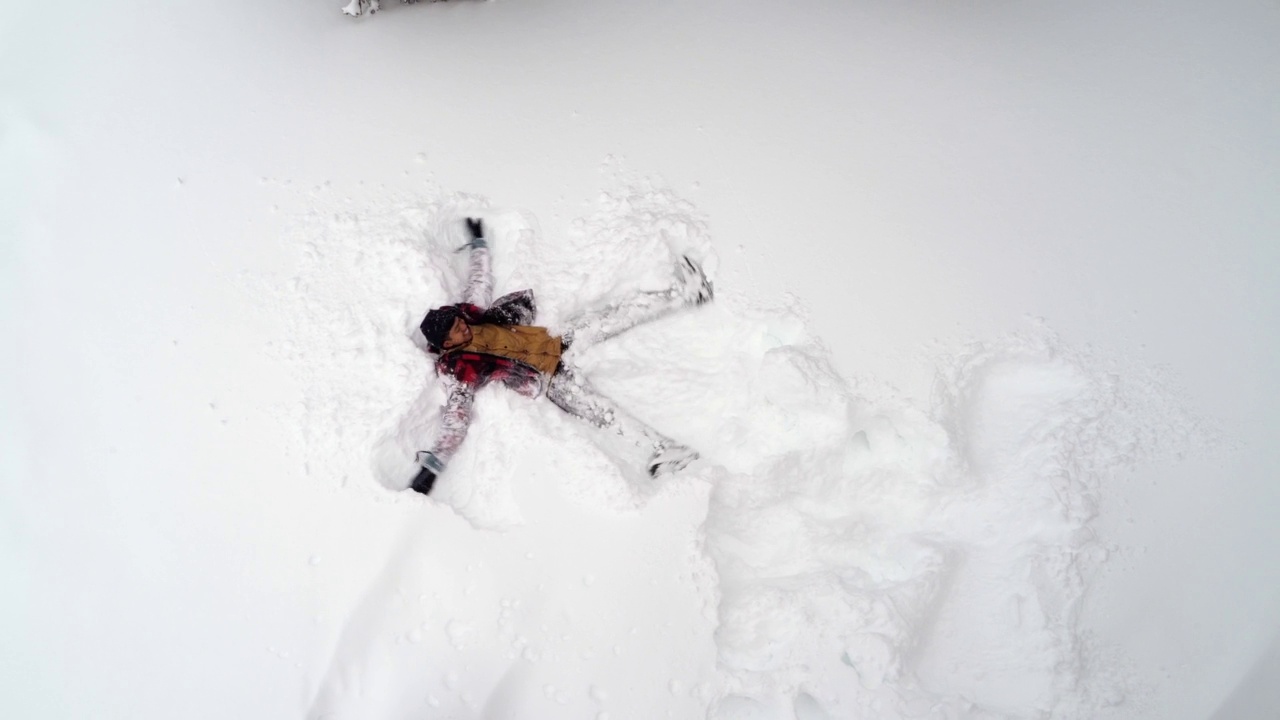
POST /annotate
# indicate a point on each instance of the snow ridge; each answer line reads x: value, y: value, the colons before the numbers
x: 871, y: 558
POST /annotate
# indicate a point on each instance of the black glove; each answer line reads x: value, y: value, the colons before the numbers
x: 476, y: 227
x: 423, y: 482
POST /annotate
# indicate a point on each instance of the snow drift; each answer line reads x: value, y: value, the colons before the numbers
x: 849, y: 553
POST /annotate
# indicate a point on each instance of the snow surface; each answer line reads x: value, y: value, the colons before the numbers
x: 986, y: 398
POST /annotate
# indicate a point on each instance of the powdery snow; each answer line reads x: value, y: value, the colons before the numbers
x: 849, y: 552
x: 221, y: 224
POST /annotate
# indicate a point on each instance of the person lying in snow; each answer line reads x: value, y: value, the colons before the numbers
x: 478, y: 342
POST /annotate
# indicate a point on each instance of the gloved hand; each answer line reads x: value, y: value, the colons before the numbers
x: 423, y: 482
x: 476, y: 227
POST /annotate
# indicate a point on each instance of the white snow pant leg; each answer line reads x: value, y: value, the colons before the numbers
x: 615, y: 319
x: 575, y: 396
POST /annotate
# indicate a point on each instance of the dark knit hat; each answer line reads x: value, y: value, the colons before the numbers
x: 435, y: 326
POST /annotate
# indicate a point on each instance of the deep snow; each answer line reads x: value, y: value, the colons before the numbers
x: 986, y: 399
x: 850, y: 552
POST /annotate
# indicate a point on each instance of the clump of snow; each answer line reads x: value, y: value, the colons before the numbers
x: 906, y: 560
x: 857, y: 554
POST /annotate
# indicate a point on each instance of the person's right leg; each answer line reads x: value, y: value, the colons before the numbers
x: 691, y: 288
x: 575, y: 396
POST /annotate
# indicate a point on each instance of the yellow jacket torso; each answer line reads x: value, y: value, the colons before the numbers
x: 528, y: 344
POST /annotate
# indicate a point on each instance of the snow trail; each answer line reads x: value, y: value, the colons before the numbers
x: 851, y: 553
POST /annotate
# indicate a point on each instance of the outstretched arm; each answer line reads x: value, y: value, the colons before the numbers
x: 480, y: 276
x: 454, y: 421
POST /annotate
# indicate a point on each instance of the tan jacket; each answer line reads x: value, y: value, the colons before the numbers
x: 528, y: 344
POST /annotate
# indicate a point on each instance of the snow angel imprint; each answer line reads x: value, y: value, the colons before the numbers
x: 478, y: 341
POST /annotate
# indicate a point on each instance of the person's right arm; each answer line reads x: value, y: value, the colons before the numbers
x: 455, y: 419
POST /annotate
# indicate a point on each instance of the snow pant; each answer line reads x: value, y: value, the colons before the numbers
x: 573, y: 394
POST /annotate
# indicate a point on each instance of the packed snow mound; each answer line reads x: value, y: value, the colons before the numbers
x: 872, y: 557
x: 933, y: 565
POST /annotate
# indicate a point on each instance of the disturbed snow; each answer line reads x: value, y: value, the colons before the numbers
x: 841, y: 550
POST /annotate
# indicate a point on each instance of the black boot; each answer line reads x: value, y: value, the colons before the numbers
x: 423, y: 482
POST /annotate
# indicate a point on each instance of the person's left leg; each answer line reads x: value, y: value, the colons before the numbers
x: 691, y: 288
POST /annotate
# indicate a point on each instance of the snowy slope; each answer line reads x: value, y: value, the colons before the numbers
x: 846, y: 550
x: 986, y: 397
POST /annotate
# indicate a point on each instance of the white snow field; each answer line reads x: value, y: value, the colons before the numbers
x: 986, y: 400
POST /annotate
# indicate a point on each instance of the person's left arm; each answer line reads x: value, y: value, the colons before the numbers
x: 480, y: 275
